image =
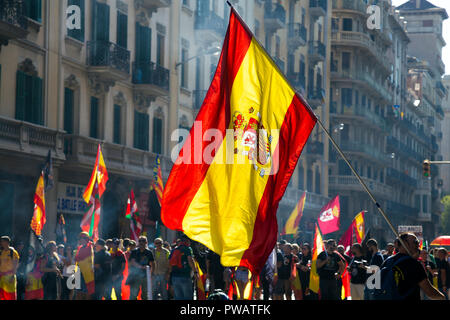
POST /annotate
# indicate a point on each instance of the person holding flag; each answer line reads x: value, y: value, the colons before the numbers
x: 318, y: 248
x: 84, y: 260
x: 132, y: 214
x: 293, y: 221
x: 92, y: 195
x: 328, y: 220
x: 330, y: 267
x: 9, y: 262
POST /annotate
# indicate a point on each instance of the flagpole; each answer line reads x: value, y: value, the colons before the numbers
x: 362, y: 183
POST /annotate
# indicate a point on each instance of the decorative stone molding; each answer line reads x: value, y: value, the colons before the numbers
x: 142, y: 19
x: 184, y: 122
x: 71, y: 82
x: 99, y: 86
x: 139, y: 5
x: 120, y: 99
x: 122, y: 6
x: 28, y: 67
x: 159, y: 113
x: 142, y: 101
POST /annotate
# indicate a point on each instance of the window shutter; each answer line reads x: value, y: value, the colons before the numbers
x: 136, y: 130
x: 77, y: 33
x: 145, y: 131
x: 100, y: 22
x: 20, y: 95
x: 117, y: 122
x: 37, y: 112
x: 94, y: 118
x: 122, y: 29
x: 68, y: 110
x: 157, y: 132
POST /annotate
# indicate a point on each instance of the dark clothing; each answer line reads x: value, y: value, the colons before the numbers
x: 329, y: 289
x: 102, y: 273
x: 216, y: 270
x: 347, y: 258
x: 329, y: 269
x: 182, y: 269
x: 118, y: 258
x: 376, y: 260
x: 142, y: 258
x: 443, y: 265
x: 50, y: 279
x: 304, y: 276
x: 358, y: 275
x: 408, y: 274
x: 284, y: 272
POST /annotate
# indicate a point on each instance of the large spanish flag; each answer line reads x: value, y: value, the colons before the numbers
x: 38, y: 220
x: 228, y: 199
x: 293, y: 221
x: 99, y: 175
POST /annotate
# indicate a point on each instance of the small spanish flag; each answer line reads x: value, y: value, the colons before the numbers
x: 99, y: 175
x: 293, y: 222
x: 157, y: 183
x: 224, y: 190
x: 38, y: 220
x: 317, y: 249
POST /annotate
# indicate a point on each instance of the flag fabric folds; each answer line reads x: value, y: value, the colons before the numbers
x: 201, y: 282
x: 38, y: 220
x: 317, y: 249
x: 91, y: 218
x: 359, y: 226
x: 157, y: 183
x: 293, y: 221
x: 329, y: 217
x: 225, y: 194
x: 133, y: 215
x: 84, y: 259
x: 355, y: 233
x: 99, y: 176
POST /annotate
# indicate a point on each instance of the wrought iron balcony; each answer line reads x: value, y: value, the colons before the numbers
x: 401, y: 209
x: 199, y: 96
x: 395, y: 175
x: 155, y: 4
x: 317, y: 8
x: 351, y: 183
x: 274, y: 16
x: 316, y: 51
x: 149, y: 73
x: 316, y: 97
x: 297, y: 79
x: 109, y: 59
x: 209, y: 26
x: 296, y: 35
x: 314, y: 148
x: 13, y: 24
x: 354, y: 5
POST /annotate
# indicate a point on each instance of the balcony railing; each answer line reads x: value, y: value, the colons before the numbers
x: 314, y: 148
x: 297, y: 79
x: 147, y: 72
x: 401, y: 208
x: 368, y: 150
x: 297, y: 35
x: 316, y: 50
x: 274, y: 16
x: 199, y: 96
x: 351, y: 182
x: 209, y: 20
x: 354, y: 5
x: 316, y: 96
x: 108, y: 54
x: 401, y: 177
x: 395, y: 145
x: 318, y: 7
x: 11, y: 12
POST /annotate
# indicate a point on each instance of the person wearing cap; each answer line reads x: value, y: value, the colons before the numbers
x: 118, y: 262
x: 9, y: 262
x: 140, y: 258
x: 102, y: 269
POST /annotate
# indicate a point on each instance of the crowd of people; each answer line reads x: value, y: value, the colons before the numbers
x: 185, y: 270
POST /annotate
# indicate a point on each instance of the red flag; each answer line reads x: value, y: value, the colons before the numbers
x: 329, y: 217
x: 38, y: 220
x: 347, y: 239
x: 133, y: 215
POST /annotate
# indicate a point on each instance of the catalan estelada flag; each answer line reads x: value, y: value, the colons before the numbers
x: 223, y: 190
x: 38, y: 220
x: 157, y: 183
x: 317, y: 249
x: 133, y: 215
x: 293, y: 221
x: 99, y: 175
x: 329, y: 217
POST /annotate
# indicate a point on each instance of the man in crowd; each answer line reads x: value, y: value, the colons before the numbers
x: 409, y: 274
x: 443, y: 271
x: 389, y: 250
x: 9, y: 262
x: 160, y: 276
x: 214, y: 271
x: 140, y: 258
x: 117, y: 268
x: 181, y: 266
x: 375, y: 258
x: 102, y: 270
x: 330, y: 267
x: 358, y: 274
x: 284, y: 266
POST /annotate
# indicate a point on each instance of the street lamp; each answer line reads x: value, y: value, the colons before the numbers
x: 213, y: 51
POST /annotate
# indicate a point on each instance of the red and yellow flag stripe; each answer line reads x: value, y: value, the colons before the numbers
x: 293, y: 221
x: 231, y: 208
x: 85, y: 261
x: 99, y: 175
x: 38, y: 220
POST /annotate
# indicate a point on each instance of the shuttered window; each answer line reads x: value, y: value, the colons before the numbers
x: 29, y: 98
x: 122, y: 29
x: 117, y: 130
x: 100, y: 22
x: 68, y: 110
x: 93, y: 131
x: 157, y: 135
x: 33, y: 9
x: 77, y: 33
x: 143, y: 43
x: 141, y: 131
